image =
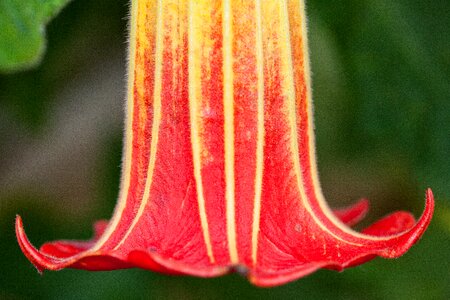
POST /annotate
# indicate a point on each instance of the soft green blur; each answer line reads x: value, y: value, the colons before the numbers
x: 22, y: 34
x: 381, y: 78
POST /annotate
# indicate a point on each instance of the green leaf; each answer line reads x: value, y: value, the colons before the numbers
x: 22, y: 34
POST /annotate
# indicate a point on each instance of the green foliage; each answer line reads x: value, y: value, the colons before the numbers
x: 22, y: 34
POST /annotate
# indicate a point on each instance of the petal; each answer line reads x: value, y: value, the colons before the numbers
x: 59, y: 255
x: 353, y: 214
x: 339, y: 247
x: 78, y: 255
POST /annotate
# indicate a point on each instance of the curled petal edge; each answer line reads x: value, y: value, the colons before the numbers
x: 399, y: 232
x: 402, y: 233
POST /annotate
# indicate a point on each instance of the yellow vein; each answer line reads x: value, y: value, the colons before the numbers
x: 311, y: 140
x: 260, y: 134
x: 289, y: 73
x: 228, y: 103
x: 127, y: 157
x: 194, y: 88
x: 156, y: 118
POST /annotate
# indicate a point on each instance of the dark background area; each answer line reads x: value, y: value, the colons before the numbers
x: 381, y: 79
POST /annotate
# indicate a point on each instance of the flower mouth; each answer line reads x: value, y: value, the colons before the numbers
x: 398, y: 229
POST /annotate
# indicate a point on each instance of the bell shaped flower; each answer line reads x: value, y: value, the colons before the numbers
x: 219, y: 169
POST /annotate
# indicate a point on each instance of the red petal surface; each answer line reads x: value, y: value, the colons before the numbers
x: 219, y: 170
x: 353, y: 214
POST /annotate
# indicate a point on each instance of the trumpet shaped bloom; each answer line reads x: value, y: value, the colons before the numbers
x: 219, y: 170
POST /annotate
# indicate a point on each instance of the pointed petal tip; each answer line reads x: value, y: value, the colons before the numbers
x: 99, y: 228
x: 78, y: 255
x: 354, y: 213
x: 423, y: 222
x: 403, y: 228
x: 34, y: 256
x: 389, y: 237
x: 66, y: 254
x: 400, y: 231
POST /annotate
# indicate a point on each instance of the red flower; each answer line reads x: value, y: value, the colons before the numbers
x: 219, y: 166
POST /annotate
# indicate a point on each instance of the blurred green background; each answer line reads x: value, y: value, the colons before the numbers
x: 381, y: 77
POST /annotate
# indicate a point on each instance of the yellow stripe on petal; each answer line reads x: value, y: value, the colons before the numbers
x: 260, y: 133
x: 127, y: 149
x: 195, y: 61
x: 156, y: 118
x: 228, y: 104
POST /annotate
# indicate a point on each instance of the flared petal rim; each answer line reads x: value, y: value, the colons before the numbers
x: 399, y: 227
